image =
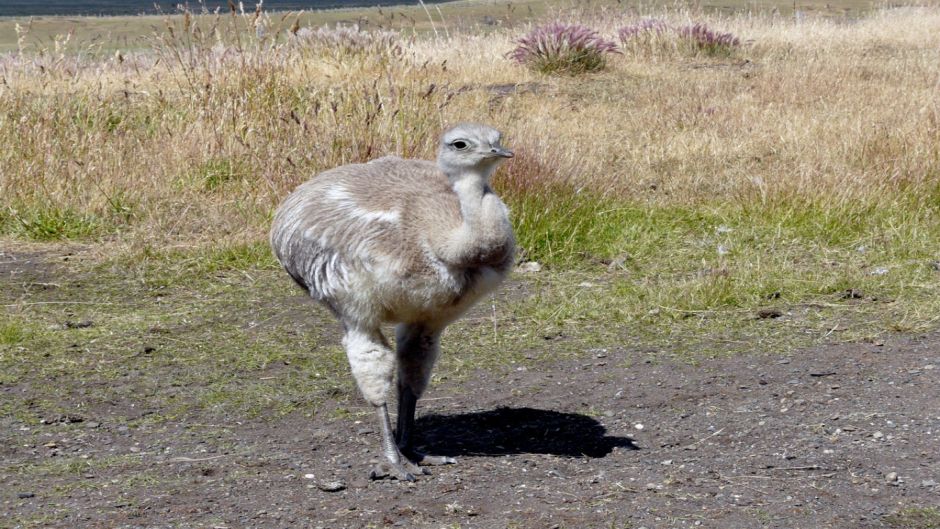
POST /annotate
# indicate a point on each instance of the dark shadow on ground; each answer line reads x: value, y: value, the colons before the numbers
x: 516, y: 431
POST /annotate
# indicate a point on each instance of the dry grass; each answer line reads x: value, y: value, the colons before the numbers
x: 822, y: 127
x: 849, y: 111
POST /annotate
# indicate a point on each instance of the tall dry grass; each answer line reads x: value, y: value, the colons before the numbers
x: 197, y: 139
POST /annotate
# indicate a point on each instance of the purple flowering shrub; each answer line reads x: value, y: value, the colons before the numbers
x: 563, y: 48
x: 646, y: 36
x: 649, y: 36
x: 703, y: 39
x: 642, y: 29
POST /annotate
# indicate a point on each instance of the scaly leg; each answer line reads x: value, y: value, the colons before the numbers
x: 406, y: 421
x: 417, y: 349
x: 373, y: 364
x: 395, y: 465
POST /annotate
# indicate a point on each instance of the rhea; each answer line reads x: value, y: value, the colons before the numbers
x: 407, y: 242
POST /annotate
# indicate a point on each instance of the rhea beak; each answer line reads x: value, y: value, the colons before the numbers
x: 500, y: 152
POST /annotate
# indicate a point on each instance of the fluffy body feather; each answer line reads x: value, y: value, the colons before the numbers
x: 374, y: 242
x: 409, y: 242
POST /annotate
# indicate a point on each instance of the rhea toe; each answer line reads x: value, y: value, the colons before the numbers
x: 409, y: 242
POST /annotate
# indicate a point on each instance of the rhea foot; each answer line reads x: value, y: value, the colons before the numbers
x: 406, y: 422
x: 405, y: 470
x: 396, y: 465
x: 423, y: 459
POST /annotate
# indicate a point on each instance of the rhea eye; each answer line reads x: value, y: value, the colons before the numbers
x: 460, y: 145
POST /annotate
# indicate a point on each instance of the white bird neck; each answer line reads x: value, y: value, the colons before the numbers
x: 470, y: 188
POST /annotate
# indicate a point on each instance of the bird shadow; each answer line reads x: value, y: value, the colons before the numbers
x: 516, y: 431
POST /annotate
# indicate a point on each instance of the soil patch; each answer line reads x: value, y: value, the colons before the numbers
x: 843, y: 436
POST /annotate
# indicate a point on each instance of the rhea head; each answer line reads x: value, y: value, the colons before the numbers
x: 469, y: 149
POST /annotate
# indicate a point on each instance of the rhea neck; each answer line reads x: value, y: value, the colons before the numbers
x: 469, y: 182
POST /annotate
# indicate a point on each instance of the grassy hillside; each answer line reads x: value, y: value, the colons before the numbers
x: 136, y: 32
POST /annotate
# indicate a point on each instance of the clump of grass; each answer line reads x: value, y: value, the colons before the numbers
x: 215, y: 173
x: 48, y: 222
x: 12, y: 332
x: 645, y: 37
x: 164, y: 267
x: 350, y: 41
x: 563, y: 48
x: 915, y: 518
x: 651, y: 37
x: 702, y: 39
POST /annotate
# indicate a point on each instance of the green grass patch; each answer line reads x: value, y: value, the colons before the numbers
x: 216, y: 173
x: 235, y: 336
x: 12, y: 332
x: 49, y: 223
x: 726, y: 256
x: 915, y: 518
x: 159, y: 267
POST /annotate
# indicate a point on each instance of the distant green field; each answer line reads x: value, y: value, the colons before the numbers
x: 107, y: 34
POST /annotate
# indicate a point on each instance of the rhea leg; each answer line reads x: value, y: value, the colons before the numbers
x: 373, y: 364
x: 417, y: 350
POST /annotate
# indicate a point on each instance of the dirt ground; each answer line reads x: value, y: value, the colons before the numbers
x: 844, y: 436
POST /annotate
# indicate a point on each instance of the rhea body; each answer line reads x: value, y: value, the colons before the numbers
x: 409, y: 242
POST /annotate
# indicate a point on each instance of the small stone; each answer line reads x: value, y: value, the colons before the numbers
x: 853, y: 293
x: 877, y: 435
x: 891, y: 477
x: 769, y: 314
x: 620, y: 263
x: 529, y: 267
x: 638, y: 426
x: 309, y: 476
x: 331, y: 486
x: 880, y: 271
x: 25, y: 495
x: 928, y: 483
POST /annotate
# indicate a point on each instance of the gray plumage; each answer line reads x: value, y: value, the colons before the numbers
x: 409, y: 242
